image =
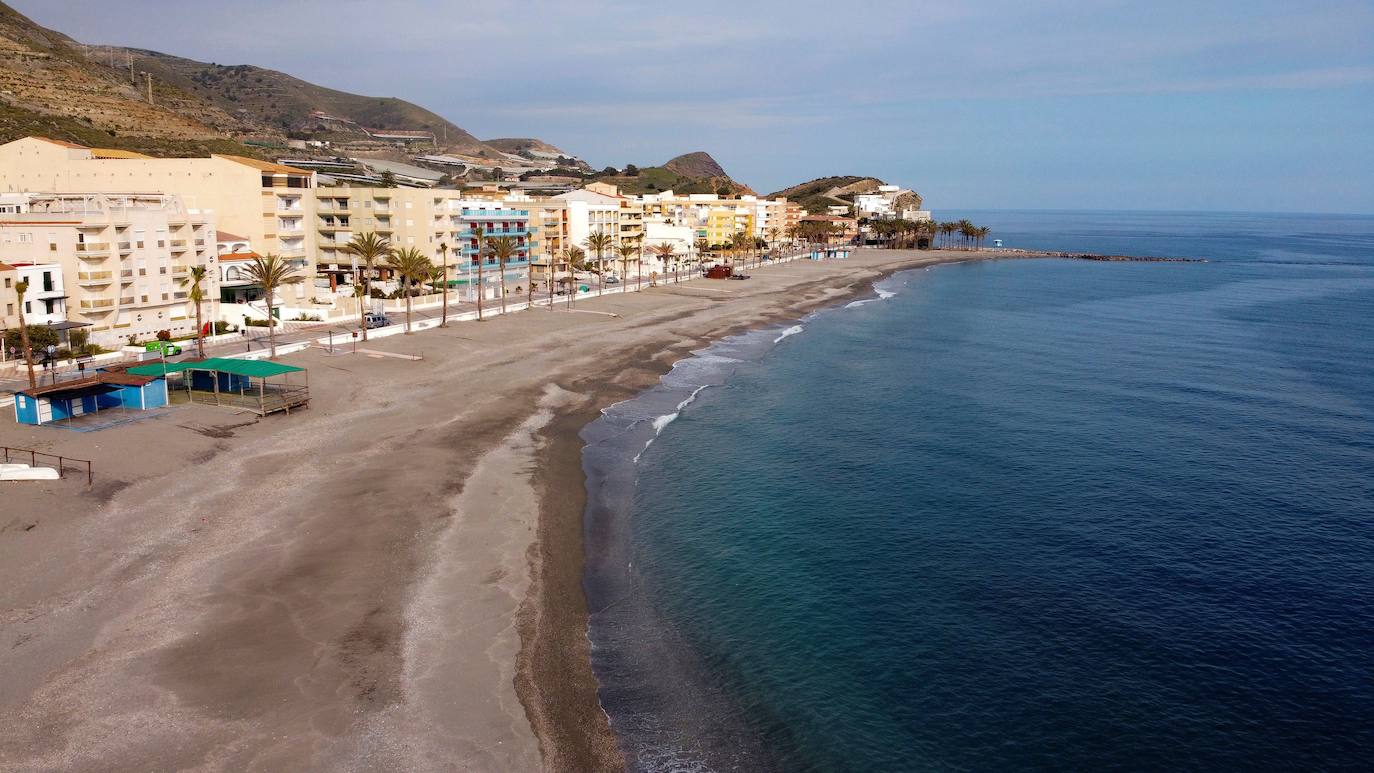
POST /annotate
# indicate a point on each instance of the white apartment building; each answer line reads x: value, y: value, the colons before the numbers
x: 124, y: 258
x: 889, y: 202
x: 45, y: 301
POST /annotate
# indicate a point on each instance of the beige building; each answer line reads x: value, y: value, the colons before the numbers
x: 269, y: 204
x: 123, y: 258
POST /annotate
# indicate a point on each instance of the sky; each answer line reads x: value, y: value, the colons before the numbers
x: 1201, y: 105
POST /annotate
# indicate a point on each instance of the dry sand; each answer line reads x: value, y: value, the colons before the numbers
x: 389, y: 580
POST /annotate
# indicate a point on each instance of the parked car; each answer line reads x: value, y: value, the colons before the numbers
x: 164, y: 348
x: 376, y: 320
x: 612, y: 279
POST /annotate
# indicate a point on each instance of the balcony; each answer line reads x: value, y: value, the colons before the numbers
x: 495, y: 214
x: 94, y: 277
x: 97, y: 304
x: 178, y: 245
x: 126, y: 247
x: 92, y: 248
x: 468, y: 233
x: 180, y: 270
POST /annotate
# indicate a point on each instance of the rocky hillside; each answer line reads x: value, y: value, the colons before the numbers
x: 49, y: 86
x: 691, y: 173
x: 98, y: 95
x: 814, y: 196
x: 272, y: 102
x: 696, y: 165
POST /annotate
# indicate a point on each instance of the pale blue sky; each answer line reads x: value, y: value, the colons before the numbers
x: 1257, y: 105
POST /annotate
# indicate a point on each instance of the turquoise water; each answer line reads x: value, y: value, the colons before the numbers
x: 1013, y: 515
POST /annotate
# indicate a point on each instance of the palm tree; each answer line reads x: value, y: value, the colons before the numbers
x: 983, y: 232
x: 773, y: 237
x: 577, y: 261
x: 369, y: 248
x: 503, y: 248
x: 947, y: 230
x: 272, y: 271
x: 412, y: 266
x: 702, y: 247
x: 598, y: 242
x: 480, y: 235
x: 663, y: 252
x: 966, y: 230
x: 626, y: 251
x: 19, y: 289
x: 739, y: 243
x: 443, y: 273
x: 194, y: 277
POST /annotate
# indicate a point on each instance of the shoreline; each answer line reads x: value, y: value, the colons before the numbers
x: 576, y: 737
x: 299, y: 591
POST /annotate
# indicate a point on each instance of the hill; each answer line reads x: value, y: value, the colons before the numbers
x: 48, y: 86
x: 815, y: 195
x: 270, y: 102
x: 691, y: 173
x: 100, y: 95
x: 696, y: 165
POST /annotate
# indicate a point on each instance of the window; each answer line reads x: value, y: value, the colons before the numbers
x: 25, y: 238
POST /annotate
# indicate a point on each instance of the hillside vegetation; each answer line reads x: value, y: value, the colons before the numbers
x: 815, y: 195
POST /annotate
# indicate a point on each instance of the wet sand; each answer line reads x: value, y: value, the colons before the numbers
x: 390, y: 580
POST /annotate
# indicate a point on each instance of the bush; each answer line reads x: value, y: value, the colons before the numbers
x: 259, y: 322
x: 79, y: 338
x: 40, y: 337
x: 306, y: 318
x: 379, y: 293
x: 164, y: 335
x: 222, y: 327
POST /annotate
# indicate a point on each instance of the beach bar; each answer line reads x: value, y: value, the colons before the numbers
x: 66, y: 401
x: 260, y: 386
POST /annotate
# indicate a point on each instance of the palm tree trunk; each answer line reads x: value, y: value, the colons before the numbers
x: 272, y: 330
x: 408, y: 302
x: 501, y: 266
x: 443, y: 315
x: 24, y: 342
x: 367, y: 293
x: 200, y: 333
x: 480, y: 286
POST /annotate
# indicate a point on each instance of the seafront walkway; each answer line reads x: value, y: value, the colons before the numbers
x: 253, y: 342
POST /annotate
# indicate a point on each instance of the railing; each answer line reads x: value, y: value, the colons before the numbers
x: 63, y: 462
x: 495, y: 214
x: 94, y: 276
x: 179, y: 244
x: 98, y: 303
x: 125, y: 247
x: 92, y: 246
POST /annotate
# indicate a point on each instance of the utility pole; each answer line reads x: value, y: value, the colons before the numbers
x: 130, y: 57
x: 149, y: 76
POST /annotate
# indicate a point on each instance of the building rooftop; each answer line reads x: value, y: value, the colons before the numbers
x: 266, y: 166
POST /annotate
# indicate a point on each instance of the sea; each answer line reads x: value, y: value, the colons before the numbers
x: 1010, y: 515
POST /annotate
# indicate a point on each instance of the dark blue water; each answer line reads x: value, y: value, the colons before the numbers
x: 1018, y: 515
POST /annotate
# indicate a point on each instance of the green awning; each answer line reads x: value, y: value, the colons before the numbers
x: 251, y: 368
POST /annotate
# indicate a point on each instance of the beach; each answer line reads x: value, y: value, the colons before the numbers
x: 390, y: 579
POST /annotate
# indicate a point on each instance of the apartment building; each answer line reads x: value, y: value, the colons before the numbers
x: 45, y: 301
x: 270, y: 204
x: 591, y: 211
x: 123, y: 258
x: 889, y: 202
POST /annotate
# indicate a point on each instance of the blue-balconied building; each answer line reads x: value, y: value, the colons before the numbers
x: 495, y: 222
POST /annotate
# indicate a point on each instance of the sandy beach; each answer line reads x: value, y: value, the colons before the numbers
x: 389, y: 580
